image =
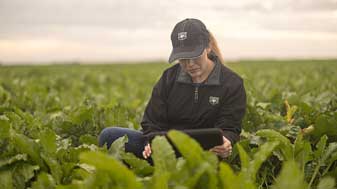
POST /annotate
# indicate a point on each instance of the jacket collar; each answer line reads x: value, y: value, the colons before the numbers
x: 213, y: 78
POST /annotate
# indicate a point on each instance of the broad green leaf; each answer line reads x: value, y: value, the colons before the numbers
x: 118, y: 147
x: 6, y: 180
x: 29, y: 147
x: 245, y: 176
x: 111, y: 169
x: 189, y: 148
x: 325, y: 125
x: 10, y: 160
x: 48, y: 141
x: 163, y: 156
x: 22, y: 173
x: 244, y: 158
x: 285, y: 145
x: 290, y: 177
x: 331, y: 149
x: 81, y: 115
x: 4, y: 127
x: 329, y: 152
x: 54, y: 166
x: 194, y: 180
x: 212, y: 159
x: 228, y: 179
x: 88, y: 139
x: 327, y: 183
x: 260, y: 156
x: 139, y: 166
x: 164, y: 160
x: 160, y: 181
x: 44, y: 181
x: 202, y: 171
x: 320, y: 147
x: 332, y: 158
x: 303, y: 151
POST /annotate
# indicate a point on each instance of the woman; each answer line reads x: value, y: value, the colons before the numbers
x: 198, y: 92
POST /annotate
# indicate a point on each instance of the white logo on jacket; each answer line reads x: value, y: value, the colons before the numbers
x: 213, y: 100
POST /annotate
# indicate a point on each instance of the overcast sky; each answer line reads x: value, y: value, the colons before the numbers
x: 110, y: 30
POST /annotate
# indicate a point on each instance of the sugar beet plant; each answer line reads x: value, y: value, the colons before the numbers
x: 50, y: 117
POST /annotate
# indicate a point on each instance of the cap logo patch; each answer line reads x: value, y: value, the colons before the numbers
x: 213, y: 100
x: 182, y: 36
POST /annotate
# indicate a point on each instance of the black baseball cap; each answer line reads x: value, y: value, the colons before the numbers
x: 189, y: 39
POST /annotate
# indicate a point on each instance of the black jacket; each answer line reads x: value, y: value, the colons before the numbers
x: 178, y: 103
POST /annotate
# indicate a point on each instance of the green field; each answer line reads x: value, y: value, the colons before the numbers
x: 50, y: 117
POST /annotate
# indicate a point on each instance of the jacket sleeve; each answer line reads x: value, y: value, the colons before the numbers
x: 155, y: 114
x: 231, y: 113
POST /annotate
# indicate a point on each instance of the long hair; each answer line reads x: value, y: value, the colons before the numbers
x: 214, y: 47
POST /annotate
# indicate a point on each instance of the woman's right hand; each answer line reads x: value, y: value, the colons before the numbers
x: 147, y: 151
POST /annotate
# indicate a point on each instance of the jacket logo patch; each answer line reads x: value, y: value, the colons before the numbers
x: 213, y: 100
x: 182, y: 36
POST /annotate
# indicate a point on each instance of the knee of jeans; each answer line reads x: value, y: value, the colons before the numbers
x: 108, y: 136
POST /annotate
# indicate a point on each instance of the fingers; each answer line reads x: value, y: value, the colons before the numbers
x: 223, y: 150
x: 227, y: 142
x: 147, y: 151
x: 222, y: 153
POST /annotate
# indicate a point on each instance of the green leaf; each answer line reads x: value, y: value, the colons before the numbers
x: 244, y: 158
x: 332, y: 158
x: 81, y: 115
x: 164, y: 160
x: 285, y: 145
x: 331, y: 149
x: 326, y: 183
x: 212, y: 159
x: 44, y: 181
x: 320, y: 147
x: 303, y: 151
x: 88, y: 139
x: 48, y: 141
x: 228, y: 179
x: 10, y: 160
x: 325, y: 125
x: 260, y: 156
x: 188, y: 147
x: 163, y: 156
x: 118, y: 147
x: 109, y: 171
x: 29, y: 147
x: 54, y: 166
x: 4, y: 127
x: 209, y: 179
x: 291, y: 177
x: 22, y: 173
x: 6, y: 180
x: 329, y: 152
x: 160, y: 181
x: 202, y: 173
x: 139, y: 166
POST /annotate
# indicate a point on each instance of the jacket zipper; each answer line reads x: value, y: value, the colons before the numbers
x: 196, y: 94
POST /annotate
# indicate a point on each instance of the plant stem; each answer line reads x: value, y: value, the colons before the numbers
x: 314, y: 175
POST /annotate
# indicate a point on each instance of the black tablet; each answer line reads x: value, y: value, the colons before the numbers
x: 207, y: 137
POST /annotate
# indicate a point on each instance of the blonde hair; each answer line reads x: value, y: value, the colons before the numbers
x: 214, y: 47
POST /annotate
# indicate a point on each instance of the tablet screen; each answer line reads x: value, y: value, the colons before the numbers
x: 207, y: 138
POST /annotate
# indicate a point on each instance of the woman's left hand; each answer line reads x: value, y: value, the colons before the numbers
x: 223, y: 150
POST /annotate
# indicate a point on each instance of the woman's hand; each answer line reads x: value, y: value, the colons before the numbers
x: 147, y: 151
x: 223, y: 150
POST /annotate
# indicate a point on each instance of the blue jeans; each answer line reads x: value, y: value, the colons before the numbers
x: 136, y: 141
